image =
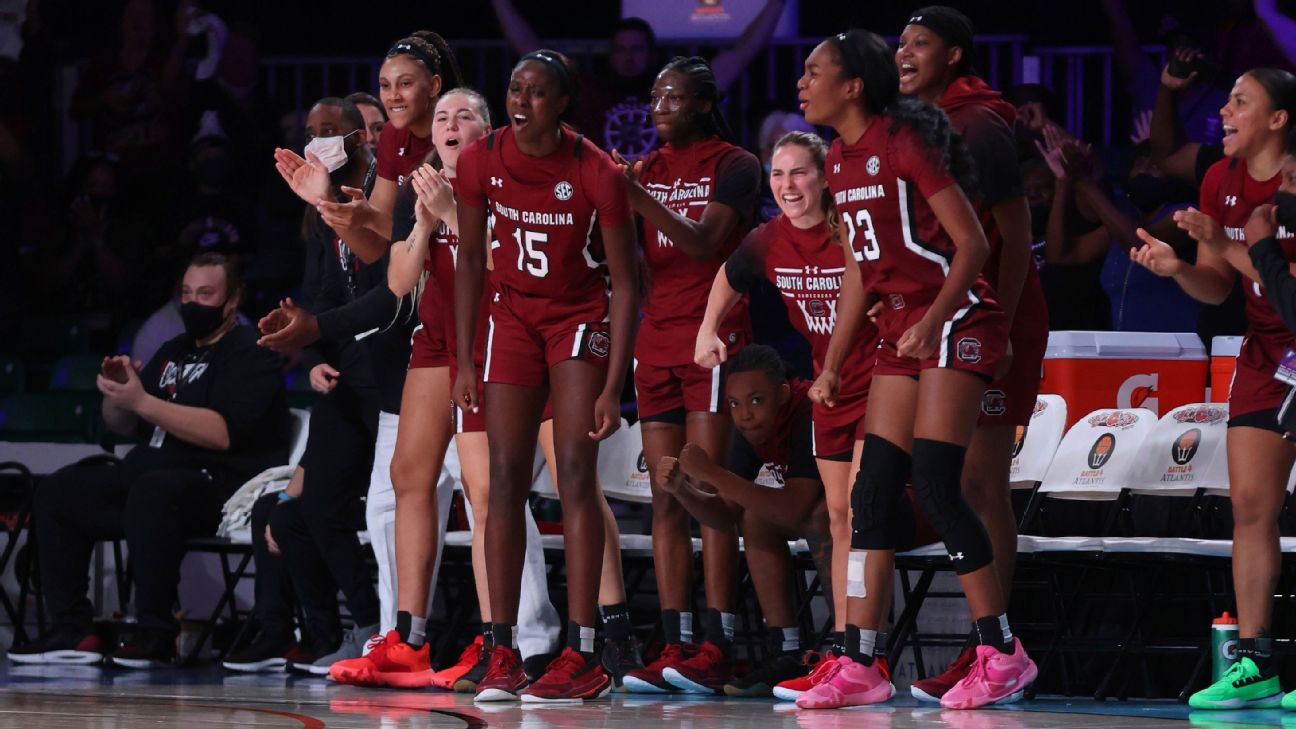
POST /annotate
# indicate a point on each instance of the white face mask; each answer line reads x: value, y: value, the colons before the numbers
x: 330, y: 150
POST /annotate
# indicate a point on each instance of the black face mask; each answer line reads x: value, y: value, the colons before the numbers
x: 342, y: 175
x: 199, y: 320
x: 1148, y: 192
x: 1286, y: 213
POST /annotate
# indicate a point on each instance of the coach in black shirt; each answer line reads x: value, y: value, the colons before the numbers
x: 210, y: 412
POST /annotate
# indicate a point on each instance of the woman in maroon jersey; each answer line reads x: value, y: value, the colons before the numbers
x: 893, y: 173
x: 552, y: 330
x: 935, y: 61
x: 1257, y: 118
x: 402, y: 658
x: 797, y: 253
x: 417, y: 69
x: 695, y: 196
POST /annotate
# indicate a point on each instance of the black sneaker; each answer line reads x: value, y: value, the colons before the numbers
x: 146, y: 650
x: 267, y: 651
x: 619, y: 658
x: 59, y: 649
x: 762, y: 680
x: 536, y: 666
x: 467, y: 684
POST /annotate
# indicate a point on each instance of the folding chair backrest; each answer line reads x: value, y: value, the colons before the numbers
x: 1099, y: 455
x: 618, y: 467
x: 1035, y: 446
x: 1180, y: 454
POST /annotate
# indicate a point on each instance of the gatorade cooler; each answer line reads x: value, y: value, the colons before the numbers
x: 1153, y: 370
x: 1224, y: 354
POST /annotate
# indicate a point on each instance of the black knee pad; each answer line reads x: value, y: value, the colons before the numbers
x: 937, y: 476
x: 884, y: 468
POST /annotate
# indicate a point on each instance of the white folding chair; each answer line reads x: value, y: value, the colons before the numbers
x: 1035, y: 446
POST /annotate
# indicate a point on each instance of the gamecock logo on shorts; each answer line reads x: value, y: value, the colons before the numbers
x: 564, y: 190
x: 1185, y: 446
x: 1102, y: 450
x: 642, y: 464
x: 1019, y: 440
x: 994, y: 403
x: 600, y: 344
x: 969, y: 349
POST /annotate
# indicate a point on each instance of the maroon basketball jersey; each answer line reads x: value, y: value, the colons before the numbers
x: 545, y: 212
x: 806, y: 266
x: 684, y: 180
x: 436, y: 307
x: 880, y: 187
x: 400, y: 153
x: 1229, y: 194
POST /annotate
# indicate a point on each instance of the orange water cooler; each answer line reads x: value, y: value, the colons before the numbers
x: 1092, y: 370
x: 1224, y: 354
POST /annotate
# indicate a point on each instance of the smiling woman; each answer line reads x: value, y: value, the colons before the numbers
x: 695, y: 197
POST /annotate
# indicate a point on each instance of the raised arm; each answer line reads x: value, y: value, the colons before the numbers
x: 1281, y: 27
x: 728, y: 65
x: 521, y: 36
x: 1171, y: 151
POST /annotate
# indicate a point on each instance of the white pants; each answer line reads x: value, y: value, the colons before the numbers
x: 538, y: 622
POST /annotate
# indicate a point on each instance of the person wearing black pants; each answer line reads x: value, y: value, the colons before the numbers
x: 273, y: 644
x: 317, y: 532
x: 210, y: 411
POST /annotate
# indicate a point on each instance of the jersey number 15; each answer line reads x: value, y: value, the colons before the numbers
x: 863, y: 222
x: 531, y: 258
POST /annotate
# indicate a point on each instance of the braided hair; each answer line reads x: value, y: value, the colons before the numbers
x: 703, y: 81
x: 865, y: 56
x: 434, y: 52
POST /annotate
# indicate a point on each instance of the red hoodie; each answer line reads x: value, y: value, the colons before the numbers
x: 973, y: 90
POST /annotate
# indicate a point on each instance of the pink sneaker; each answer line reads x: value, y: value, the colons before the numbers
x: 995, y: 678
x: 848, y: 684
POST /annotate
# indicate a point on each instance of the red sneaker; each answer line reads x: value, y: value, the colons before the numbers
x: 932, y: 689
x: 706, y: 672
x: 569, y: 679
x: 648, y: 680
x: 446, y: 677
x: 820, y: 664
x: 504, y: 677
x: 393, y: 662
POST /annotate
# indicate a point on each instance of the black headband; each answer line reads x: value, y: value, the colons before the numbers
x: 557, y: 66
x: 410, y: 49
x: 851, y: 63
x: 952, y: 26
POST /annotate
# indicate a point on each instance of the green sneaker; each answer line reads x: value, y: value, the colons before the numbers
x: 1241, y: 688
x: 1289, y: 701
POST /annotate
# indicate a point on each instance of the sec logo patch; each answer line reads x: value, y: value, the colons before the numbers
x: 873, y: 166
x: 564, y: 190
